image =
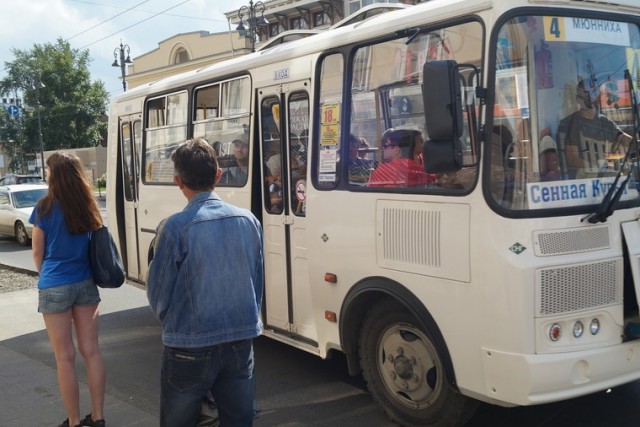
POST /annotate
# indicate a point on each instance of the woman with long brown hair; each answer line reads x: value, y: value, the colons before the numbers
x: 67, y: 296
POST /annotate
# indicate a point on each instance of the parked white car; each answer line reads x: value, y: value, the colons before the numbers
x: 16, y: 204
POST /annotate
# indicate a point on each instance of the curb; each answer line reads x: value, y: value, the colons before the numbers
x: 18, y: 270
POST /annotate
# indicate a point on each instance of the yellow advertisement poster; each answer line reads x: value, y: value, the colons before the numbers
x: 330, y: 113
x: 329, y: 134
x: 330, y: 124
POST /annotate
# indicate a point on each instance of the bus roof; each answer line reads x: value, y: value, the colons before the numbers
x: 439, y: 10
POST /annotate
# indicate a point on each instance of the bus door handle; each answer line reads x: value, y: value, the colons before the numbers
x: 288, y: 219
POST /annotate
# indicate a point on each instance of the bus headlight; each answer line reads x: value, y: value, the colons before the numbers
x: 578, y: 329
x: 555, y: 332
x: 594, y: 327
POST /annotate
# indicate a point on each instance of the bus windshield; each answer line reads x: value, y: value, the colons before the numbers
x: 563, y: 112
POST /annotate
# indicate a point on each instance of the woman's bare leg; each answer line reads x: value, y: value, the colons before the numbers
x: 86, y: 324
x: 61, y: 338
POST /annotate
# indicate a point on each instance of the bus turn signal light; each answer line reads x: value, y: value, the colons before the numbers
x: 330, y: 277
x: 330, y: 316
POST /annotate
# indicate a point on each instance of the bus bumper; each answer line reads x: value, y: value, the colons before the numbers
x: 522, y: 379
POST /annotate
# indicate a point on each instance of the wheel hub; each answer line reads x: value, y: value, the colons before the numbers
x: 407, y: 363
x: 403, y: 367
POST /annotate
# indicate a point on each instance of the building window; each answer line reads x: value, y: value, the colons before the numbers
x: 180, y: 56
x: 355, y: 5
x: 297, y: 23
x: 275, y: 29
x: 321, y: 18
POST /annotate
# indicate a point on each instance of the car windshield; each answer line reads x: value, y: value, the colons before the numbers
x: 563, y: 112
x: 28, y: 198
x: 29, y: 180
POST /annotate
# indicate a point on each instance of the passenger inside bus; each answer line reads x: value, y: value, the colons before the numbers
x: 237, y: 174
x: 399, y: 167
x: 274, y: 189
x: 502, y: 171
x: 298, y: 155
x: 298, y: 172
x: 217, y: 146
x: 587, y: 138
x: 359, y: 166
x: 417, y: 146
x: 273, y: 161
x: 549, y: 166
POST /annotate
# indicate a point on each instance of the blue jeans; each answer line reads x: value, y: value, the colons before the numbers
x: 189, y: 373
x: 63, y: 298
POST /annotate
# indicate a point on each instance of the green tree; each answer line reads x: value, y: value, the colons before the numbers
x: 54, y: 79
x: 13, y: 141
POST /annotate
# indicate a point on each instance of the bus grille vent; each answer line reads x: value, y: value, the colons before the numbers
x: 579, y: 287
x: 412, y: 236
x: 571, y: 241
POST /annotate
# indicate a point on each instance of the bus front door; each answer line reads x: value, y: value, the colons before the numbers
x: 284, y: 129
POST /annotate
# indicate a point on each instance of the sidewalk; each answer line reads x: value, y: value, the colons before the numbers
x: 29, y: 394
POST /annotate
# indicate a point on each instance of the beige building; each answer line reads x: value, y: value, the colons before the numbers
x: 184, y: 52
x: 189, y: 51
x: 93, y: 159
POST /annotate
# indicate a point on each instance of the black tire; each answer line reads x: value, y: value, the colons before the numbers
x: 21, y: 234
x: 404, y: 372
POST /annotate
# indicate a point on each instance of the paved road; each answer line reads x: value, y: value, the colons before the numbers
x: 294, y: 388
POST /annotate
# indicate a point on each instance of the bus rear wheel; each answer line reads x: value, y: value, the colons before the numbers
x: 404, y: 372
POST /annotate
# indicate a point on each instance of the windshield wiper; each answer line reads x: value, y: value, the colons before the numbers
x: 611, y: 199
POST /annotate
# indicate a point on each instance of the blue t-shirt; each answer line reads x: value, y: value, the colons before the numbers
x: 66, y: 255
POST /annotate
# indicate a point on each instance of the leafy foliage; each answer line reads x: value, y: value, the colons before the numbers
x: 55, y: 81
x: 102, y: 182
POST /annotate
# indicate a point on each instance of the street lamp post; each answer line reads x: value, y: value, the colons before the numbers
x: 252, y: 21
x: 37, y: 85
x: 121, y: 51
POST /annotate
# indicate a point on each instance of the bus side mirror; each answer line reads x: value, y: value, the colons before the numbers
x: 442, y: 100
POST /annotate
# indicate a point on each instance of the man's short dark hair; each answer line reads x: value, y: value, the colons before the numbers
x: 403, y: 138
x: 196, y: 164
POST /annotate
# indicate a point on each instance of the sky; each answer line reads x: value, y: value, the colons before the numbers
x: 100, y: 26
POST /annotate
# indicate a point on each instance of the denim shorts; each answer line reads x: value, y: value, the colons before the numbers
x: 63, y: 298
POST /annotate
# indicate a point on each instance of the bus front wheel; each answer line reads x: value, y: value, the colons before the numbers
x: 404, y: 372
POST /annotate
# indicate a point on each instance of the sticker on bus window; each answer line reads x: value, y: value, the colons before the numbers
x: 329, y: 135
x: 573, y: 29
x: 327, y: 177
x: 328, y: 160
x: 330, y: 113
x: 301, y: 190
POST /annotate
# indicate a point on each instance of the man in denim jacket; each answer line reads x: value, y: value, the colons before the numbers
x: 205, y: 284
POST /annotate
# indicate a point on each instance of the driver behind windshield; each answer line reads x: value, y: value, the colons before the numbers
x: 589, y: 139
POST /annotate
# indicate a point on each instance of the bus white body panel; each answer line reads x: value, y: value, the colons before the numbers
x: 487, y: 281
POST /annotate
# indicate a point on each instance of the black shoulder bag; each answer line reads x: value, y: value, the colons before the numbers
x: 106, y: 264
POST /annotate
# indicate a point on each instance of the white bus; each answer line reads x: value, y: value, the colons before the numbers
x: 486, y: 281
